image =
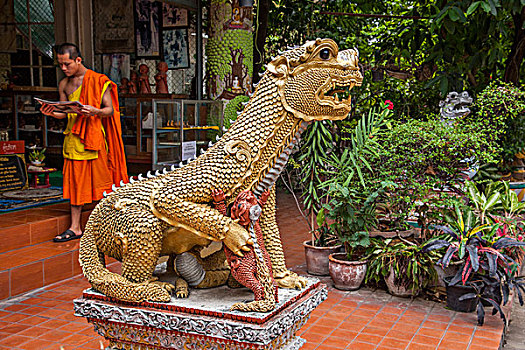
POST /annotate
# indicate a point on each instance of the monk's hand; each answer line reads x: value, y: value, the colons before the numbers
x: 237, y: 239
x: 47, y: 109
x: 89, y: 110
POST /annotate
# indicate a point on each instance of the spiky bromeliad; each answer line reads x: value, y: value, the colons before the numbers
x: 172, y: 213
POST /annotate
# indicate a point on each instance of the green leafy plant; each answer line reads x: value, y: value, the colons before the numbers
x: 37, y: 155
x: 501, y: 115
x: 352, y: 213
x: 412, y: 268
x: 484, y: 261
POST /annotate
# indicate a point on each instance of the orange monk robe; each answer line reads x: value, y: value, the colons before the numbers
x: 88, y: 129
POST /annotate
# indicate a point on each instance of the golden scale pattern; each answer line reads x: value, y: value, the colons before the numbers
x: 172, y: 213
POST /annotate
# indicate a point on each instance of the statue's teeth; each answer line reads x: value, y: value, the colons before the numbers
x: 217, y: 138
x: 157, y: 173
x: 210, y: 144
x: 122, y: 183
x: 164, y: 171
x: 149, y: 174
x: 202, y: 151
x: 173, y: 167
x: 131, y: 179
x: 181, y: 164
x: 141, y: 177
x: 113, y: 187
x: 104, y: 194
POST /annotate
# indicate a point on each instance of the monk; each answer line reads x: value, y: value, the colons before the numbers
x: 93, y: 149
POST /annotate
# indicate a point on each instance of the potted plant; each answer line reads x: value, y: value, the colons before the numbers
x: 401, y: 264
x: 352, y: 213
x: 351, y: 207
x: 483, y: 254
x: 308, y: 167
x: 320, y: 168
x: 325, y: 244
x: 37, y: 157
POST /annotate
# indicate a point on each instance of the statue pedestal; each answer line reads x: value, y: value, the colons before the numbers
x: 202, y: 321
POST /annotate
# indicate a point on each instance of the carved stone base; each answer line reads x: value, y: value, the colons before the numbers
x: 202, y: 321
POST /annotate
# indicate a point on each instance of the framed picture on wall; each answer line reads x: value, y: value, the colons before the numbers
x: 175, y: 48
x: 116, y: 66
x: 173, y: 16
x: 147, y: 28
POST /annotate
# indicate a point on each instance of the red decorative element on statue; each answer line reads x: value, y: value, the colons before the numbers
x: 244, y: 268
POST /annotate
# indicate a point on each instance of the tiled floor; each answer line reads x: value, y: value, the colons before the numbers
x: 365, y: 319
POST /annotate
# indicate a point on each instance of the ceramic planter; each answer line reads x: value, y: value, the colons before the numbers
x: 346, y: 275
x: 317, y: 258
x: 396, y: 289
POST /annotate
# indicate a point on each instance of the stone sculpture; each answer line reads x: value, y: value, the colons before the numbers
x: 254, y: 269
x: 454, y: 106
x: 171, y: 212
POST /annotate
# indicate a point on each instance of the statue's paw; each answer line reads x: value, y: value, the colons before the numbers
x: 238, y: 306
x: 238, y: 239
x: 165, y: 285
x: 182, y: 292
x: 291, y: 280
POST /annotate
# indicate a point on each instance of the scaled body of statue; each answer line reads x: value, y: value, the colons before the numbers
x: 173, y: 213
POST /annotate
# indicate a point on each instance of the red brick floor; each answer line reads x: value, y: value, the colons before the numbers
x: 364, y: 319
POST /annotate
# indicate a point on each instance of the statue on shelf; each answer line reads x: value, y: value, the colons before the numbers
x: 161, y: 78
x: 144, y: 87
x: 124, y: 86
x: 134, y: 83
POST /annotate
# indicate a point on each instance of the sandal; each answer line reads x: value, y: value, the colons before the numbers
x: 65, y: 236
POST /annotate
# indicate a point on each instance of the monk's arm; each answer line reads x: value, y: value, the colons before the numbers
x: 50, y: 110
x: 106, y: 107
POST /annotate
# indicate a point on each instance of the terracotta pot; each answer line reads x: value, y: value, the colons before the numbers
x: 317, y: 258
x: 396, y: 289
x: 346, y: 275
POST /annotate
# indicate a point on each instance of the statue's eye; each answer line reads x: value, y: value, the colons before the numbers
x: 324, y: 54
x: 239, y: 206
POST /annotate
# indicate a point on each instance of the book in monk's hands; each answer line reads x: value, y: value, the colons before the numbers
x: 62, y: 106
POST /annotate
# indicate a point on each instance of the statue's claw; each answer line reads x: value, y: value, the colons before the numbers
x: 181, y: 292
x: 238, y: 239
x: 291, y: 280
x: 165, y: 285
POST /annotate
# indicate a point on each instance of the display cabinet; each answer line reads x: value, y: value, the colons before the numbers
x: 136, y: 113
x: 20, y: 116
x: 182, y: 128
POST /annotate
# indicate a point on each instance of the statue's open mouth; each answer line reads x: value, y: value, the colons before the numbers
x: 336, y: 93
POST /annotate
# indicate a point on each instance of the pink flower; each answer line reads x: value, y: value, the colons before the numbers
x: 389, y: 104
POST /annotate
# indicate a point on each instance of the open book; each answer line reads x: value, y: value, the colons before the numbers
x: 63, y: 106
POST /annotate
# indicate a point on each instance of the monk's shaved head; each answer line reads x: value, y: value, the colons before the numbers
x: 68, y: 48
